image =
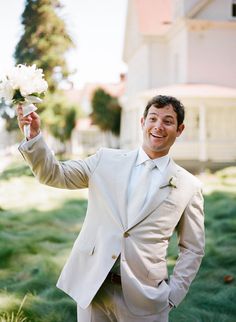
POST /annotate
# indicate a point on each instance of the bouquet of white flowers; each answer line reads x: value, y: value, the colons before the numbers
x: 23, y: 84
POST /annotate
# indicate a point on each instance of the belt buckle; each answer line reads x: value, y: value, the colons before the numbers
x: 113, y: 278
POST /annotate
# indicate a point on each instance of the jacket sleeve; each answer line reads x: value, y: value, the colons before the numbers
x: 191, y: 236
x: 73, y: 174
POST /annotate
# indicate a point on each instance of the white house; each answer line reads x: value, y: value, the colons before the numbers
x: 187, y: 49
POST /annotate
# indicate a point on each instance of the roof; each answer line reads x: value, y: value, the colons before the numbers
x: 114, y: 89
x: 154, y: 16
x: 73, y: 95
x: 83, y: 124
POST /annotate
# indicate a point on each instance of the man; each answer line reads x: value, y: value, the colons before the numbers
x: 117, y: 269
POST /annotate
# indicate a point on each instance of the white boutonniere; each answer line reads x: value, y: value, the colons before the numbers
x: 172, y: 183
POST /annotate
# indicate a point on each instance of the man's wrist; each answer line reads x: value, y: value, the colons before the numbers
x: 29, y: 143
x: 31, y: 138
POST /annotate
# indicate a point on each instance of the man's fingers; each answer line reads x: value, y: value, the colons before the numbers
x: 20, y: 106
x: 24, y: 120
x: 19, y: 110
x: 34, y: 115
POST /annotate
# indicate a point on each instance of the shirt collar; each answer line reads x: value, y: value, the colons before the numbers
x: 161, y: 162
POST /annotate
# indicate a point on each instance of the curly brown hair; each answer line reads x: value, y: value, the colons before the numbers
x: 160, y: 101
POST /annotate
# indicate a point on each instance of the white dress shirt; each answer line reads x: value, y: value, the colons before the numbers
x: 157, y: 172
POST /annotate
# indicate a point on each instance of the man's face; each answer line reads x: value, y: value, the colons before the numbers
x: 160, y: 129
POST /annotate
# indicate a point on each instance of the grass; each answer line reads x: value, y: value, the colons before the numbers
x: 14, y: 317
x: 212, y: 295
x: 39, y: 224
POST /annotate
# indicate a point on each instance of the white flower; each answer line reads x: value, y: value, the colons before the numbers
x: 172, y: 183
x: 6, y: 90
x: 27, y: 80
x: 23, y: 84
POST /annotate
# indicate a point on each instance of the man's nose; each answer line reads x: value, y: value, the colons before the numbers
x: 159, y: 124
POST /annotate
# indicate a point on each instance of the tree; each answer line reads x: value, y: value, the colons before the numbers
x: 106, y: 111
x: 45, y: 40
x: 60, y: 118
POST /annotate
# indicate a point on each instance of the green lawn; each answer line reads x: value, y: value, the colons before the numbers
x: 38, y: 225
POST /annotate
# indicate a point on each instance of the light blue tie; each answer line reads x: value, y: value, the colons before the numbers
x: 140, y: 192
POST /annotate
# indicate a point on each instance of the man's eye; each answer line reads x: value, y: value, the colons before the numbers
x: 168, y: 122
x: 152, y: 119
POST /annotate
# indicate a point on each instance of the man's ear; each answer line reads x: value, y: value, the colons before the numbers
x: 180, y: 129
x: 142, y: 121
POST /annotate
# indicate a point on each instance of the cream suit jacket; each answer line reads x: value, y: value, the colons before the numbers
x: 105, y: 234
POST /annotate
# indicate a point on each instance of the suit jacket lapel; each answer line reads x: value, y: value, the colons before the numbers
x: 160, y: 195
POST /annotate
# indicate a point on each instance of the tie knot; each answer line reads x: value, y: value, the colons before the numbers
x: 150, y: 164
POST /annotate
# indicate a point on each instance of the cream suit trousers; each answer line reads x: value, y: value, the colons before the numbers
x: 109, y: 306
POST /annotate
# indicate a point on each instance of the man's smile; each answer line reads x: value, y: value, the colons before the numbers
x: 157, y: 136
x: 160, y: 129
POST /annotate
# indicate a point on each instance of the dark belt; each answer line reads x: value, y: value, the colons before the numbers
x: 113, y: 278
x: 116, y: 279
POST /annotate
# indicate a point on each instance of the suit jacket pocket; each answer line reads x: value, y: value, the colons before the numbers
x: 158, y: 272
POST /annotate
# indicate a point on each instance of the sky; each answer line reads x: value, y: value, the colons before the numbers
x: 96, y: 27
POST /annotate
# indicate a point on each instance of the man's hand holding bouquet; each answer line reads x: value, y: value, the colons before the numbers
x: 24, y: 85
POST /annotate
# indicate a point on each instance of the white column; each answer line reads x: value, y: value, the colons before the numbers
x: 202, y: 133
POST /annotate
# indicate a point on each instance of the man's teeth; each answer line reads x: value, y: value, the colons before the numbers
x: 157, y: 136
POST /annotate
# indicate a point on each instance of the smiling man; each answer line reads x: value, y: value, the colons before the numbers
x: 161, y: 126
x: 117, y: 270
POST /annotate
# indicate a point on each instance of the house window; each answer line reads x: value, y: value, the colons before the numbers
x: 234, y: 8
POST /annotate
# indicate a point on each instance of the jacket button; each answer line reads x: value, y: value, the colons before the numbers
x: 126, y: 234
x: 114, y: 257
